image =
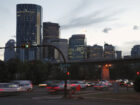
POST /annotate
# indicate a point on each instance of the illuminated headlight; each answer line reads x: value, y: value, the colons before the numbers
x: 42, y: 85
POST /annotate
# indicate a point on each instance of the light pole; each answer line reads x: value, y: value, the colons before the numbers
x: 47, y: 45
x: 65, y: 63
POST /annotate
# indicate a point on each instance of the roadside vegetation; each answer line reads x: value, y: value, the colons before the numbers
x: 38, y: 71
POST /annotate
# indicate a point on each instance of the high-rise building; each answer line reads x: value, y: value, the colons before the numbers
x: 118, y: 54
x: 9, y: 52
x: 50, y: 34
x: 77, y: 47
x: 109, y: 51
x: 95, y: 52
x: 135, y: 51
x: 29, y: 30
x: 62, y: 45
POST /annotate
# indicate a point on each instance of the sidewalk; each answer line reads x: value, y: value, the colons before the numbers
x: 128, y: 97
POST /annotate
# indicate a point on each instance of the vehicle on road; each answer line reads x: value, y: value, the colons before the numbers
x: 48, y: 82
x: 89, y: 84
x: 9, y: 88
x: 100, y: 87
x: 25, y: 85
x: 82, y: 84
x: 59, y: 87
x: 43, y: 84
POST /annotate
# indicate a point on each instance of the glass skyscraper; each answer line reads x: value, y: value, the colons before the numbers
x: 50, y: 34
x: 29, y: 30
x: 109, y: 51
x: 77, y: 47
x: 135, y: 51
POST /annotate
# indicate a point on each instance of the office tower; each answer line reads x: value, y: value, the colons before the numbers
x: 77, y: 47
x: 109, y: 51
x: 9, y: 52
x: 118, y: 54
x: 29, y: 30
x: 135, y: 51
x: 50, y: 33
x: 62, y: 45
x: 95, y: 52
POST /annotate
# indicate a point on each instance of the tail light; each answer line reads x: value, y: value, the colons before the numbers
x: 1, y: 89
x: 31, y: 85
x: 73, y: 84
x: 48, y: 87
x: 56, y: 88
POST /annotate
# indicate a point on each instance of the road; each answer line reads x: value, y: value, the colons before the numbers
x: 40, y: 97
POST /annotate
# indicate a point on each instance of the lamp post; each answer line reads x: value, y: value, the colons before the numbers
x: 65, y: 65
x: 47, y: 45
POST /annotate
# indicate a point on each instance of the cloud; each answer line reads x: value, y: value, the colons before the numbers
x: 75, y: 19
x: 106, y: 30
x: 135, y: 27
x: 134, y: 42
x: 80, y: 7
x: 88, y: 20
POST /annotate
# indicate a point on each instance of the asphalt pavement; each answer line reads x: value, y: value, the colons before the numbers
x: 39, y: 96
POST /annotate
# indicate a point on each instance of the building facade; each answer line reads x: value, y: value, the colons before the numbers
x: 95, y: 52
x: 62, y: 45
x: 50, y: 34
x: 135, y: 51
x: 109, y: 51
x: 118, y: 54
x: 10, y: 53
x: 77, y: 47
x: 29, y: 31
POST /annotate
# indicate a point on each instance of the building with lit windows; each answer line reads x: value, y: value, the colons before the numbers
x: 50, y: 34
x: 77, y: 47
x: 109, y: 51
x: 135, y: 51
x: 95, y: 52
x: 10, y: 53
x: 29, y: 30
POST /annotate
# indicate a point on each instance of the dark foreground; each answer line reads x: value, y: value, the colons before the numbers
x: 40, y: 97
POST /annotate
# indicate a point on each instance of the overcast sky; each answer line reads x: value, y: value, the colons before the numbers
x: 116, y: 22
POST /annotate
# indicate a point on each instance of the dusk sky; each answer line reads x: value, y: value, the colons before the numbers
x: 115, y: 22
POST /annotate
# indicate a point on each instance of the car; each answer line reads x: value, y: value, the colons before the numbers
x: 82, y: 84
x: 46, y: 83
x: 9, y: 88
x: 25, y: 85
x: 89, y: 84
x: 130, y: 84
x: 106, y: 82
x: 43, y: 84
x: 100, y: 87
x: 59, y: 87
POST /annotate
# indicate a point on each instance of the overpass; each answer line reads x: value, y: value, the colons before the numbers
x: 107, y: 61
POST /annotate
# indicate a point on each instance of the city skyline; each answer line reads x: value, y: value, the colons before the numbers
x: 118, y: 26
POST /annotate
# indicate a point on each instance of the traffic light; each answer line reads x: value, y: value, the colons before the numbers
x: 27, y: 45
x: 68, y: 73
x: 138, y: 73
